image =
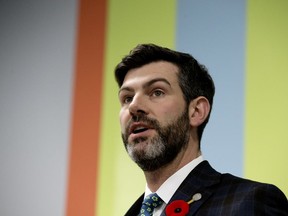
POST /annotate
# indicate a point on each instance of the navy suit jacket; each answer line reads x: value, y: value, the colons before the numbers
x: 225, y: 195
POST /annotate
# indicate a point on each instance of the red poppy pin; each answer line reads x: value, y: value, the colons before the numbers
x: 181, y: 207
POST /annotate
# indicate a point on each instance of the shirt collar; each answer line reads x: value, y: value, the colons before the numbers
x: 169, y: 187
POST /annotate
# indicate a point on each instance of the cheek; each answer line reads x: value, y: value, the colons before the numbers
x: 123, y: 118
x: 171, y: 111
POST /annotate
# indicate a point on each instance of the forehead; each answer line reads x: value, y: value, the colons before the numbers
x: 161, y: 69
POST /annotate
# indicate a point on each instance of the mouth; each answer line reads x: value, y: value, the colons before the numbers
x: 138, y: 128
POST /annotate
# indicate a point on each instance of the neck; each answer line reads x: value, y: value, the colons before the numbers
x: 156, y: 178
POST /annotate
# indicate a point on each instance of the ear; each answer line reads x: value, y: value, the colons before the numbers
x: 199, y: 109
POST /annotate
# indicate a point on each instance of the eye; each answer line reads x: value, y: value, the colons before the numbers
x: 127, y: 100
x: 157, y: 93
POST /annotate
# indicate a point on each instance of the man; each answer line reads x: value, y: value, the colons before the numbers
x: 166, y: 98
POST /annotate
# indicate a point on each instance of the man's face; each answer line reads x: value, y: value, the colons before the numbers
x: 154, y: 117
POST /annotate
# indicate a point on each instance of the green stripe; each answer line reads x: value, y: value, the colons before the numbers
x: 266, y: 92
x: 130, y: 22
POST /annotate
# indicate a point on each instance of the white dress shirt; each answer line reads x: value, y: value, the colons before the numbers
x: 169, y: 187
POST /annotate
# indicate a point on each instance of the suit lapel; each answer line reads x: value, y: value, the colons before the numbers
x: 200, y: 180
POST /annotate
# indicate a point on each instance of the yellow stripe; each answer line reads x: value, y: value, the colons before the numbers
x: 266, y: 97
x: 130, y: 22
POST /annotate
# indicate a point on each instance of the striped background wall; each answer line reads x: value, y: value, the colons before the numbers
x: 61, y: 151
x: 266, y: 91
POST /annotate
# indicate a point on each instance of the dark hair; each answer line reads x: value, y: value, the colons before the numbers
x: 194, y: 79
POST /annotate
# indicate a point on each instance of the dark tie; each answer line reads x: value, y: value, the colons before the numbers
x: 150, y: 202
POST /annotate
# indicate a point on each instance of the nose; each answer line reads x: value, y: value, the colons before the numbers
x: 138, y: 106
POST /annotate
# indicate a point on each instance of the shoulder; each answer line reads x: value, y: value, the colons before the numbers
x: 231, y: 194
x: 263, y: 198
x: 249, y: 185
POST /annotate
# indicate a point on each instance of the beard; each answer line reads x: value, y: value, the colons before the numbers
x: 164, y: 147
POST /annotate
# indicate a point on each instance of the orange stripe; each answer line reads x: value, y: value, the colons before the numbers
x: 84, y: 150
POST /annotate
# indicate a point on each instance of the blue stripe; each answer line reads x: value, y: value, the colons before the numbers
x: 214, y: 33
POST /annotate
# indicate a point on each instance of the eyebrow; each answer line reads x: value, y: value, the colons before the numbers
x: 125, y: 89
x: 151, y: 82
x: 147, y: 84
